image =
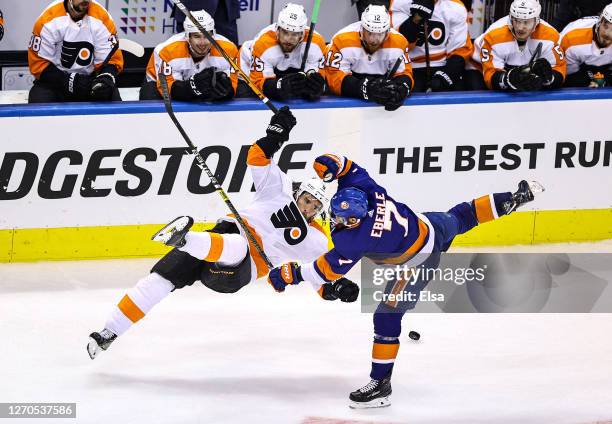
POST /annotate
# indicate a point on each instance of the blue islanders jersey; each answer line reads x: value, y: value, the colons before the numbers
x: 391, y: 232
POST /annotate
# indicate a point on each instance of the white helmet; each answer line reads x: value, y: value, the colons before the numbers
x: 203, y: 19
x: 525, y: 9
x: 375, y: 19
x: 316, y: 187
x: 607, y: 13
x: 292, y: 18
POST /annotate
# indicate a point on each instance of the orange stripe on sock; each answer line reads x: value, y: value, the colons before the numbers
x: 130, y: 309
x: 483, y: 209
x: 384, y: 351
x: 216, y: 248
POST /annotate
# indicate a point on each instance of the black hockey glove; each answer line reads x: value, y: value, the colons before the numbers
x: 422, y: 8
x: 221, y: 87
x: 277, y: 132
x: 441, y: 81
x: 521, y: 79
x: 315, y: 86
x: 202, y: 82
x: 543, y: 69
x: 78, y: 86
x: 103, y: 87
x: 291, y: 85
x: 343, y: 289
x: 371, y: 89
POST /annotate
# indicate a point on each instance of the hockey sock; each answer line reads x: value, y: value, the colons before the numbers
x: 384, y: 352
x: 138, y: 301
x: 226, y: 249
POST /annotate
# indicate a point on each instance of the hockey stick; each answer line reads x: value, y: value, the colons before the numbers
x: 535, y: 56
x: 234, y: 65
x: 393, y: 70
x: 125, y: 45
x: 427, y: 62
x: 313, y: 23
x: 202, y: 165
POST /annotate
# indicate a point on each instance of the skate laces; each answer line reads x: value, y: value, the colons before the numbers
x: 370, y: 386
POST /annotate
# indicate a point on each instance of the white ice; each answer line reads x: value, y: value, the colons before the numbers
x: 262, y: 357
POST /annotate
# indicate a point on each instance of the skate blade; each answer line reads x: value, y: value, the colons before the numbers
x: 536, y: 187
x: 92, y: 348
x: 165, y: 233
x: 376, y: 403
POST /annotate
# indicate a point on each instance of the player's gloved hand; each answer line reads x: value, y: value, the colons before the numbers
x: 280, y: 125
x: 598, y: 80
x: 441, y: 81
x: 543, y: 69
x: 78, y: 86
x: 397, y: 91
x: 521, y: 79
x: 370, y: 88
x: 343, y: 289
x: 291, y: 85
x: 328, y: 166
x: 423, y: 9
x: 103, y: 87
x: 315, y: 86
x: 221, y: 87
x: 202, y: 82
x: 288, y: 273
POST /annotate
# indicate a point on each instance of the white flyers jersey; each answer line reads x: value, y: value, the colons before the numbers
x: 275, y: 219
x: 265, y: 59
x: 173, y: 59
x: 580, y: 48
x: 448, y: 32
x: 500, y: 49
x: 346, y: 55
x: 72, y: 46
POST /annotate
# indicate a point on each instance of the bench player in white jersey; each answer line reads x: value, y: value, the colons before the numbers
x: 273, y: 59
x: 361, y: 56
x: 193, y: 67
x: 222, y: 259
x: 508, y: 48
x: 449, y: 42
x: 70, y: 40
x: 587, y: 44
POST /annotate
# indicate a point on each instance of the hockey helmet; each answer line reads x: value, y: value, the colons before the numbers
x: 203, y: 18
x: 348, y: 203
x: 292, y: 18
x: 525, y: 9
x: 607, y: 13
x: 316, y: 188
x: 376, y: 19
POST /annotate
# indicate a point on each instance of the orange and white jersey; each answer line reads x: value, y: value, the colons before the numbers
x: 580, y: 48
x: 72, y: 46
x: 263, y: 58
x: 448, y: 32
x: 346, y: 55
x: 174, y: 60
x: 275, y: 220
x: 500, y: 49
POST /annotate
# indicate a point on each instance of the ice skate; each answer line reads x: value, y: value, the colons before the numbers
x: 173, y: 234
x: 375, y: 394
x: 99, y: 341
x: 525, y: 194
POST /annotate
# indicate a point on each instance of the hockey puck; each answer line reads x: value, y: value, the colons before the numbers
x: 414, y: 335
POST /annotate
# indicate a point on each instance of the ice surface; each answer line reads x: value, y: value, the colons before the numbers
x: 262, y: 357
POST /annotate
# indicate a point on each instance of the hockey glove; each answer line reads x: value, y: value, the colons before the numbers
x: 398, y: 90
x: 370, y: 88
x: 542, y: 68
x: 78, y: 86
x: 291, y: 85
x: 441, y: 81
x: 315, y: 86
x: 281, y: 124
x: 329, y: 166
x: 422, y: 8
x: 520, y: 79
x: 281, y: 277
x: 202, y: 83
x: 343, y: 289
x: 103, y: 87
x: 221, y: 87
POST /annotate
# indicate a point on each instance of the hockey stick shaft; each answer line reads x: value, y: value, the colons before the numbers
x: 233, y: 64
x: 201, y: 163
x: 394, y: 69
x: 313, y: 24
x: 427, y: 61
x: 125, y: 45
x: 536, y: 55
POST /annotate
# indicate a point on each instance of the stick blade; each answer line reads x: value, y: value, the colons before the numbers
x: 132, y: 47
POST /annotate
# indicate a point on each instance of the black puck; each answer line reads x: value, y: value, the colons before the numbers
x: 414, y: 335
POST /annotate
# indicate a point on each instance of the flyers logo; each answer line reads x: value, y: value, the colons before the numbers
x: 79, y: 52
x: 290, y: 218
x: 437, y: 34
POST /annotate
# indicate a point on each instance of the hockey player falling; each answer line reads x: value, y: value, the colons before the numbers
x: 369, y: 223
x: 222, y: 258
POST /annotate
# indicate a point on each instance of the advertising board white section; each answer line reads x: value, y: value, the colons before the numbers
x: 429, y: 157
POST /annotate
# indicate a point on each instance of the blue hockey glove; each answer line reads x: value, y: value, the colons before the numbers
x: 288, y: 273
x: 329, y: 166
